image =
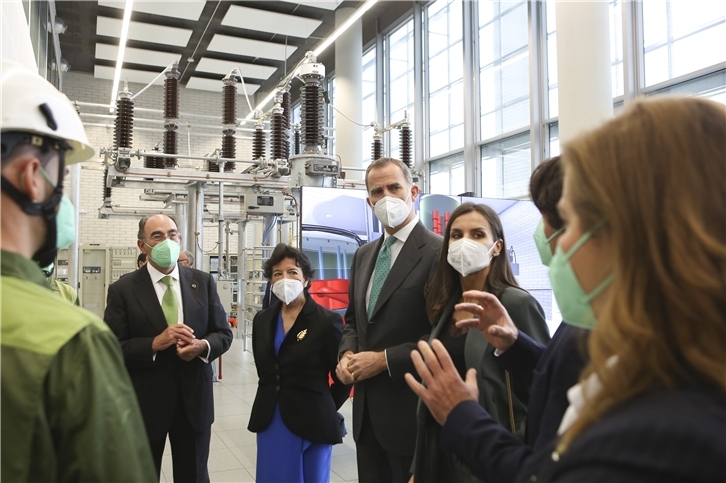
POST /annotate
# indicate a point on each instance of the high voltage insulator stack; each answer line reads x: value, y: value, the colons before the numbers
x: 229, y: 123
x: 258, y: 141
x: 171, y: 115
x: 123, y: 133
x: 285, y: 104
x: 296, y: 140
x: 406, y: 146
x: 311, y: 95
x: 377, y: 148
x: 277, y: 134
x: 154, y: 162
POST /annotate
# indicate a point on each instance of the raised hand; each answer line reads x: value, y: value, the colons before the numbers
x: 442, y: 389
x: 492, y: 319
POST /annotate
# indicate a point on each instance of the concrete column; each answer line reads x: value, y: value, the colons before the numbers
x: 349, y: 92
x: 583, y: 66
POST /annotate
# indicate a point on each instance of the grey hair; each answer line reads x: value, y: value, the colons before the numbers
x: 142, y: 225
x: 189, y: 256
x: 382, y: 162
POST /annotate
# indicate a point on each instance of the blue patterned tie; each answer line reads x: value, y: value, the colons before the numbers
x: 380, y: 273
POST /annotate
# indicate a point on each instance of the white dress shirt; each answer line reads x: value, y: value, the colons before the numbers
x: 160, y: 289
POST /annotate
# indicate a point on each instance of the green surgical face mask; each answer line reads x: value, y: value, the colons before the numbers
x: 166, y: 253
x: 543, y: 243
x: 65, y: 219
x: 575, y: 305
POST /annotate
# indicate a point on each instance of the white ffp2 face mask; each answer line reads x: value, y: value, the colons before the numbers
x: 392, y: 211
x: 287, y: 289
x: 468, y: 256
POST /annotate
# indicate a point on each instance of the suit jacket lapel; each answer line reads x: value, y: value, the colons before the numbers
x: 301, y: 323
x: 189, y: 290
x: 269, y: 327
x: 146, y: 295
x: 406, y: 260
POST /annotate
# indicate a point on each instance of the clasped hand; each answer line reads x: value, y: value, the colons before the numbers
x: 358, y: 367
x: 187, y: 345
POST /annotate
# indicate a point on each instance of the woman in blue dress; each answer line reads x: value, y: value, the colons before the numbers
x: 295, y: 345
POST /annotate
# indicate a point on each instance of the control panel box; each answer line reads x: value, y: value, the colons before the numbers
x: 265, y: 204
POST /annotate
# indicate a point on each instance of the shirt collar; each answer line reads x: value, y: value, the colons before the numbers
x: 404, y: 232
x: 16, y: 265
x: 157, y: 275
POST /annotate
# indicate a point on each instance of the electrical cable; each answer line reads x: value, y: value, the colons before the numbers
x: 152, y: 82
x: 351, y: 120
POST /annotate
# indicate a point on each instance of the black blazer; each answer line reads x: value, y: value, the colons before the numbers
x: 297, y: 378
x: 658, y: 436
x: 399, y: 320
x: 492, y: 451
x: 134, y: 314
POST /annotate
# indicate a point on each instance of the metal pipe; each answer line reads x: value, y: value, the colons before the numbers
x: 352, y: 168
x: 220, y: 241
x: 180, y: 213
x: 202, y: 176
x: 144, y: 154
x: 242, y: 280
x: 199, y: 226
x: 190, y: 225
x: 75, y: 196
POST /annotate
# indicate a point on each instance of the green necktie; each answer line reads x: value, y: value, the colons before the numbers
x: 169, y: 304
x: 380, y: 273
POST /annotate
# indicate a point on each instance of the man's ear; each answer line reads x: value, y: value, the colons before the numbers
x: 368, y: 200
x: 414, y: 192
x: 142, y: 246
x: 32, y: 181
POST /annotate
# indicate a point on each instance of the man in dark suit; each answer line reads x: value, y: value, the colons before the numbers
x: 170, y: 323
x: 386, y: 316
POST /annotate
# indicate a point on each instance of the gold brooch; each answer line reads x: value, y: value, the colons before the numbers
x: 301, y: 335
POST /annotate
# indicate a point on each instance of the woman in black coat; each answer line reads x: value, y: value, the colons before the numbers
x: 295, y: 345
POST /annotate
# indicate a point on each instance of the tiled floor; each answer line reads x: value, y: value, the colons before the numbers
x: 233, y: 452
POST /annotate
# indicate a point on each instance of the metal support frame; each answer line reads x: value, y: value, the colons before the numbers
x: 472, y: 175
x: 420, y: 125
x: 633, y: 56
x: 538, y: 108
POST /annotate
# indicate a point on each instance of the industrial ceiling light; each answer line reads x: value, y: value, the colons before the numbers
x: 121, y: 48
x: 320, y: 48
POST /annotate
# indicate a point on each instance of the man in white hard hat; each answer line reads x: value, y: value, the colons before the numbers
x: 69, y: 412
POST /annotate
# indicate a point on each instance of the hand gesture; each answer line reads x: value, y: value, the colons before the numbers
x: 177, y: 334
x: 493, y: 320
x: 444, y: 389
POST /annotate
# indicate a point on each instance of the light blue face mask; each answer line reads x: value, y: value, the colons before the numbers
x: 543, y: 243
x: 65, y: 219
x: 575, y: 305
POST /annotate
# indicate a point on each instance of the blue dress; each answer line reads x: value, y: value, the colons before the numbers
x: 283, y: 457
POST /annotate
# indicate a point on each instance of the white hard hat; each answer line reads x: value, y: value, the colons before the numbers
x: 23, y: 95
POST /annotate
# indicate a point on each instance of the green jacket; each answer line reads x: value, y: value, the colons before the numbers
x: 69, y: 412
x: 64, y: 290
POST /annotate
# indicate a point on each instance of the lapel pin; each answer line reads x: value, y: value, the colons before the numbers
x: 194, y: 285
x: 301, y: 335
